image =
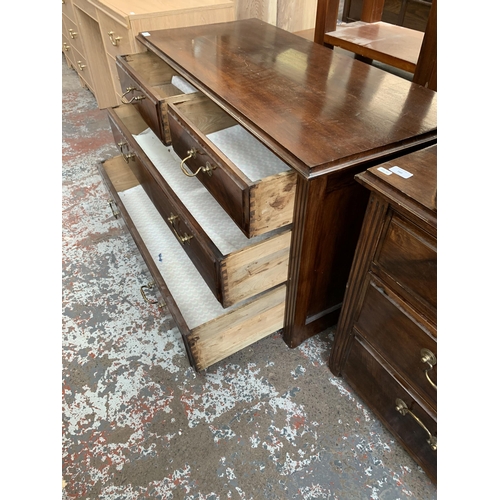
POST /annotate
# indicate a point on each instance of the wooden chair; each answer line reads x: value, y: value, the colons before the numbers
x: 374, y: 40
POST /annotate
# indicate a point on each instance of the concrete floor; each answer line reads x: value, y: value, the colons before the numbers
x: 138, y: 422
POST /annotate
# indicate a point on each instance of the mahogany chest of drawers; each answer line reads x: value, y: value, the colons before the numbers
x: 239, y: 144
x: 386, y: 341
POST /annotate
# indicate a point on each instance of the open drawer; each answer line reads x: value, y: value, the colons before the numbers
x: 150, y: 84
x: 253, y: 185
x: 234, y: 267
x: 210, y: 332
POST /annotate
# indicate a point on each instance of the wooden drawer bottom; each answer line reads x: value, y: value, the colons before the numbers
x: 380, y: 390
x: 209, y: 331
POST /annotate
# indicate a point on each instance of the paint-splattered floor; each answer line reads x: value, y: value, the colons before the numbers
x: 139, y: 423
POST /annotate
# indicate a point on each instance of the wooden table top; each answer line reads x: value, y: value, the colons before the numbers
x: 318, y: 110
x: 388, y: 43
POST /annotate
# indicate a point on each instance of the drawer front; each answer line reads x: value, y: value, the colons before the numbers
x: 408, y: 256
x: 115, y: 36
x: 242, y: 273
x: 134, y: 94
x: 381, y: 391
x: 148, y: 83
x: 395, y: 333
x: 225, y: 331
x: 82, y: 68
x: 74, y: 35
x: 256, y: 205
x: 205, y: 261
x: 68, y: 51
x: 115, y: 77
x: 67, y: 9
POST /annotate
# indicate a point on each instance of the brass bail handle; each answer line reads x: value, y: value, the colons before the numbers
x: 150, y: 286
x: 127, y: 156
x: 429, y: 357
x: 182, y: 239
x: 192, y: 154
x: 134, y: 99
x: 115, y: 40
x: 402, y: 408
x: 112, y: 205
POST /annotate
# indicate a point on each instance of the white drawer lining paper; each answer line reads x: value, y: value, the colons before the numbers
x: 219, y: 227
x: 184, y: 86
x: 247, y: 153
x: 192, y: 295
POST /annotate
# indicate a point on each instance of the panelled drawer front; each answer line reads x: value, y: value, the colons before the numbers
x: 408, y: 256
x: 114, y: 35
x: 82, y: 68
x: 178, y: 224
x: 189, y: 301
x: 148, y: 83
x: 68, y: 51
x: 233, y: 277
x: 381, y: 391
x: 67, y: 9
x: 114, y: 77
x: 386, y: 324
x: 256, y: 205
x: 73, y: 33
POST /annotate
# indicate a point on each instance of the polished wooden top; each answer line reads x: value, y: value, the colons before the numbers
x: 388, y: 43
x: 418, y: 192
x: 318, y: 110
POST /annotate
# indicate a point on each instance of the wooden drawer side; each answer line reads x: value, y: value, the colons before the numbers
x: 215, y: 341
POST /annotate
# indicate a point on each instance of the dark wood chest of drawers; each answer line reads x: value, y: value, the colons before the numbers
x: 243, y: 141
x: 385, y: 345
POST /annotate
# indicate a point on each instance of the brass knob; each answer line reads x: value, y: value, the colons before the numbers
x: 72, y: 33
x: 65, y: 47
x: 81, y: 66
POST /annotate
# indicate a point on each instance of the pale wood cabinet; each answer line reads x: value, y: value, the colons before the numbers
x: 290, y: 15
x: 96, y: 31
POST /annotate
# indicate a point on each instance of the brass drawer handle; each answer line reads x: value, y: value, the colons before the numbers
x: 115, y: 40
x: 135, y: 98
x: 72, y: 33
x: 150, y: 286
x: 182, y: 239
x: 127, y: 156
x: 402, y: 408
x: 430, y: 358
x: 112, y: 204
x: 65, y: 47
x: 80, y: 65
x: 192, y: 154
